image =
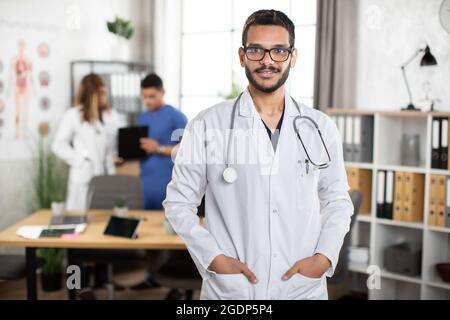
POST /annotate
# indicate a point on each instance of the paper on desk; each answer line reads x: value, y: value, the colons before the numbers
x: 30, y: 232
x: 33, y: 232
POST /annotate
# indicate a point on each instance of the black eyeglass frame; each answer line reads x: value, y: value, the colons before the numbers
x: 270, y: 53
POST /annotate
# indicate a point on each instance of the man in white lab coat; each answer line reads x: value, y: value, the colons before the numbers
x: 276, y: 230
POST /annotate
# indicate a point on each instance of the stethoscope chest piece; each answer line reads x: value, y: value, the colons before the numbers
x: 229, y: 175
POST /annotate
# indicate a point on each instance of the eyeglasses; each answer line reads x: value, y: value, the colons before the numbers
x: 276, y: 54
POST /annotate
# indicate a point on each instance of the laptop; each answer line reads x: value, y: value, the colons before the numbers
x: 61, y: 225
x: 72, y: 220
x: 68, y: 220
x: 128, y: 142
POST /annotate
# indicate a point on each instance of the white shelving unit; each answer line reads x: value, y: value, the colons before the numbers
x: 376, y: 233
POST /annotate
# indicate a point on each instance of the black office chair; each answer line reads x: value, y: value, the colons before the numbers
x: 341, y: 272
x: 103, y: 190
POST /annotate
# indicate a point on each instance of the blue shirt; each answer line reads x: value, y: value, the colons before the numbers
x: 156, y: 169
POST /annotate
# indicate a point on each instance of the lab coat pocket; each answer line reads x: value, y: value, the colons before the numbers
x: 227, y: 287
x: 306, y: 188
x: 83, y: 173
x: 306, y: 288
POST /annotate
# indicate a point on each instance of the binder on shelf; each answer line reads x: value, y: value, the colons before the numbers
x: 433, y: 200
x: 381, y: 183
x: 350, y: 176
x: 341, y: 126
x: 365, y: 186
x: 363, y: 139
x: 447, y: 203
x: 114, y: 91
x: 443, y: 147
x: 361, y: 180
x: 398, y: 196
x: 389, y: 195
x: 356, y: 139
x: 413, y: 191
x: 137, y: 86
x: 348, y: 139
x: 448, y: 158
x: 435, y: 163
x: 107, y: 82
x: 441, y: 203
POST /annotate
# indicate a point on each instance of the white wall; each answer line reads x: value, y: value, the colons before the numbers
x: 49, y: 20
x: 390, y: 31
x: 167, y: 49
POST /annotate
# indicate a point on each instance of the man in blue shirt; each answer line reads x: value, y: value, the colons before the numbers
x: 163, y: 121
x: 165, y: 125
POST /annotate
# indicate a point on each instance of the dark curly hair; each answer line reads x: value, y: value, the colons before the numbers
x: 269, y: 17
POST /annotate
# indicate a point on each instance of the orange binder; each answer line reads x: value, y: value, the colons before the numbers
x: 351, y: 177
x: 398, y: 196
x: 441, y: 201
x: 433, y: 200
x: 413, y: 191
x: 361, y: 180
x: 364, y: 184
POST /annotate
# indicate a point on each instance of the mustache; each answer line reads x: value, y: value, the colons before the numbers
x: 273, y: 69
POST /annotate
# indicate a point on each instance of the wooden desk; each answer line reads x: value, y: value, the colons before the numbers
x: 151, y: 236
x: 132, y: 168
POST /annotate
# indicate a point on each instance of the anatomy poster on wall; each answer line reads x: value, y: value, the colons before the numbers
x: 29, y: 67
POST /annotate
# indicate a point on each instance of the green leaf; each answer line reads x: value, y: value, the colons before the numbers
x: 120, y: 202
x: 53, y: 259
x: 121, y: 27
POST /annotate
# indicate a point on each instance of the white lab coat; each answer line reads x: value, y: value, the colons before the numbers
x: 273, y: 215
x: 87, y: 149
x: 111, y: 122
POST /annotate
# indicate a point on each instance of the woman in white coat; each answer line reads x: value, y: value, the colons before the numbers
x: 84, y: 141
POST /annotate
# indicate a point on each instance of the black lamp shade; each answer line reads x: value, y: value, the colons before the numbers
x: 428, y: 59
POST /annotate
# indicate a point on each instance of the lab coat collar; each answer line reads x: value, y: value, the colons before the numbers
x: 247, y: 107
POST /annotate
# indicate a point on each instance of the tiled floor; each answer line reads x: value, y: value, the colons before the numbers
x: 17, y: 289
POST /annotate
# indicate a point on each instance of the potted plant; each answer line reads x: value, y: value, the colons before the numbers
x: 51, y: 277
x: 58, y: 206
x: 58, y: 197
x: 120, y: 207
x: 50, y: 184
x: 51, y: 176
x: 123, y: 30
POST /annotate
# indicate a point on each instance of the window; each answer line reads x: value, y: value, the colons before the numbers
x: 205, y: 84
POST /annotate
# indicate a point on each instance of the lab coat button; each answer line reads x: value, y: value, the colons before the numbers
x: 275, y: 211
x: 274, y: 255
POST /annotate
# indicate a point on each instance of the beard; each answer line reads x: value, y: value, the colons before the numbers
x: 262, y: 88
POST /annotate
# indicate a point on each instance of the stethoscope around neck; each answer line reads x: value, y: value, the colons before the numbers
x: 230, y: 174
